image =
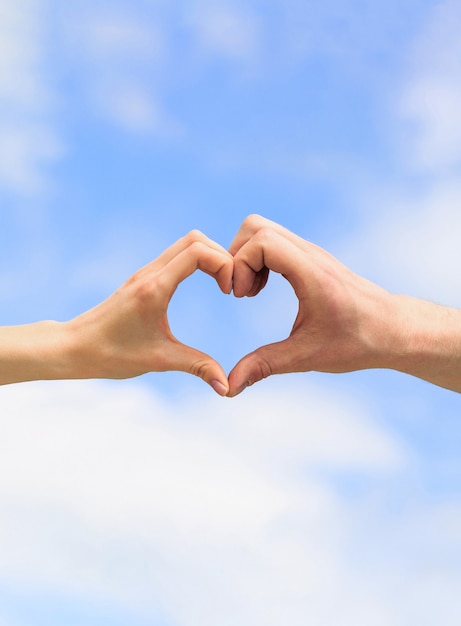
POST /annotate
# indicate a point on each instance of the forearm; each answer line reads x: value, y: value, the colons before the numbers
x: 40, y: 351
x: 77, y: 349
x: 427, y: 342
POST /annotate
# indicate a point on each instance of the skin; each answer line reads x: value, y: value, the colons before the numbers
x: 344, y: 321
x: 126, y: 335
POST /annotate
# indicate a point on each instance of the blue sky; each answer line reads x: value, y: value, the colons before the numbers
x: 311, y: 498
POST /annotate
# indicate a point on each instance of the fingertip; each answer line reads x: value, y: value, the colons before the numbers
x: 252, y: 368
x: 227, y: 289
x: 239, y: 378
x: 225, y: 277
x: 187, y: 359
x: 238, y: 390
x: 220, y: 388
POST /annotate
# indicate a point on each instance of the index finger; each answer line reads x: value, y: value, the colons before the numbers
x: 199, y: 255
x: 268, y: 249
x: 254, y: 223
x: 179, y: 246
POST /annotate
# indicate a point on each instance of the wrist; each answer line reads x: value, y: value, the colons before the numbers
x: 83, y: 349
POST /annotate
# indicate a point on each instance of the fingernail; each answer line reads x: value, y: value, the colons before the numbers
x: 219, y: 387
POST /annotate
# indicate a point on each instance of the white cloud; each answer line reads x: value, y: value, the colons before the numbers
x: 24, y: 148
x: 431, y: 98
x: 122, y: 59
x: 21, y: 53
x: 227, y: 30
x: 410, y: 242
x: 204, y: 510
x: 132, y: 107
x: 112, y: 34
x: 409, y: 228
x: 432, y: 106
x: 27, y: 139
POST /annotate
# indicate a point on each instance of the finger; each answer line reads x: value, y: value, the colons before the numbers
x: 179, y: 246
x: 183, y: 358
x: 198, y: 255
x: 260, y: 279
x: 252, y: 224
x: 272, y: 250
x: 274, y: 358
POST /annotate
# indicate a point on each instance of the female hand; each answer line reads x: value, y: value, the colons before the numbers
x: 128, y: 334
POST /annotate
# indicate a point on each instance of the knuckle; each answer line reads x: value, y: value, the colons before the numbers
x: 134, y: 279
x: 149, y: 291
x: 264, y: 368
x: 254, y: 222
x: 144, y: 291
x: 197, y: 249
x: 199, y: 368
x: 160, y: 284
x: 260, y: 369
x: 194, y: 236
x: 265, y: 235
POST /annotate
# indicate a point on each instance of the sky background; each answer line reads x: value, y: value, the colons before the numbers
x: 310, y: 499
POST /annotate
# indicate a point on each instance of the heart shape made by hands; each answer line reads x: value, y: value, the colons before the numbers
x: 226, y: 330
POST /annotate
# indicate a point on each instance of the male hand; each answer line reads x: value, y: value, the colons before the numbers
x: 343, y: 319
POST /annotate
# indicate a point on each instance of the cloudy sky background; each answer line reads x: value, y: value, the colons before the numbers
x: 311, y: 498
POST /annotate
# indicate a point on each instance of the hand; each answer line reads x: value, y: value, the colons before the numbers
x: 128, y: 334
x: 342, y: 322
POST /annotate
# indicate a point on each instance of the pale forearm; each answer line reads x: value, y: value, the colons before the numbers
x: 40, y: 351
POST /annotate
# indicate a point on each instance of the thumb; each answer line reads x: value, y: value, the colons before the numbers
x: 184, y: 358
x: 274, y: 358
